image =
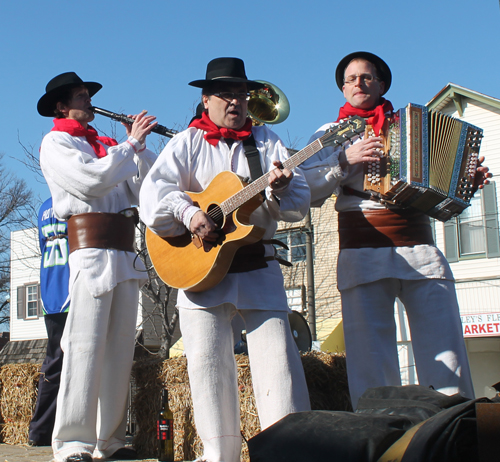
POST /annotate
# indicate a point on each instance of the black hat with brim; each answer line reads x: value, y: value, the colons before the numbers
x: 229, y: 70
x: 383, y: 71
x: 57, y: 86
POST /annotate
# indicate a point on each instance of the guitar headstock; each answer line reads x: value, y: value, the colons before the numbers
x: 340, y: 134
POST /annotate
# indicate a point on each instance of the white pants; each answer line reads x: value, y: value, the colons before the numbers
x: 98, y: 345
x: 436, y: 334
x: 277, y: 374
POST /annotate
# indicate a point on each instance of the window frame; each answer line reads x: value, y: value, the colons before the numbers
x: 286, y: 236
x: 489, y: 218
x: 23, y: 300
x: 303, y: 297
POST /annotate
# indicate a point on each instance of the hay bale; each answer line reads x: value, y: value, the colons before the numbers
x: 19, y: 385
x: 150, y: 377
x: 326, y: 377
x: 325, y: 374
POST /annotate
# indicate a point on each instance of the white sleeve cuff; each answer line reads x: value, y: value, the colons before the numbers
x: 187, y: 214
x: 138, y: 147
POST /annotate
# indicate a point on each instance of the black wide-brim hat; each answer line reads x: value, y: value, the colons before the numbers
x: 383, y: 71
x: 231, y: 70
x: 58, y: 85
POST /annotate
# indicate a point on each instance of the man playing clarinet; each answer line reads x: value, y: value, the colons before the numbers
x: 94, y: 181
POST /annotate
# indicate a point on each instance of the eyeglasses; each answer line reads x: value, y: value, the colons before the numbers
x: 365, y: 78
x: 229, y: 96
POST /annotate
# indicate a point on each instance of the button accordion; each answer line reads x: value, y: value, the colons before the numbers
x: 429, y: 162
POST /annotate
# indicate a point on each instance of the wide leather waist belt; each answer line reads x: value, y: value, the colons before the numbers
x: 252, y: 257
x: 103, y: 230
x: 384, y: 228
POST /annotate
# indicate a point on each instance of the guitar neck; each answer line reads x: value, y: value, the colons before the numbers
x: 254, y: 188
x: 334, y: 136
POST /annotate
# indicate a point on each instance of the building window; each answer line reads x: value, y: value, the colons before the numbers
x: 296, y: 298
x: 32, y: 301
x: 295, y: 239
x: 29, y: 305
x: 474, y: 233
x: 471, y: 227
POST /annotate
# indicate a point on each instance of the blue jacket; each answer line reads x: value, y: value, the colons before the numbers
x: 54, y: 268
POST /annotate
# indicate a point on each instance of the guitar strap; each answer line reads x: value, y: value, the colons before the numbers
x: 253, y: 158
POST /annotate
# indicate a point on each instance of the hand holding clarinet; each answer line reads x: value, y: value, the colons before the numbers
x: 141, y: 126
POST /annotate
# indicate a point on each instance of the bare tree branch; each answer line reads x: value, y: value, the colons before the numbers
x: 159, y: 294
x: 17, y: 211
x: 31, y: 161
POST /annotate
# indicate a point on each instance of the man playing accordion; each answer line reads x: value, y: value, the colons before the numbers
x: 386, y: 252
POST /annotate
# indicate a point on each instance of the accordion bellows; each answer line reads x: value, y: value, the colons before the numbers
x: 429, y: 164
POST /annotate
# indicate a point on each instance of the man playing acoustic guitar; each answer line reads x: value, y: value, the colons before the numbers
x: 253, y: 286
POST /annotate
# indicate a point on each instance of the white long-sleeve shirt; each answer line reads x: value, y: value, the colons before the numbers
x: 360, y: 266
x: 80, y: 182
x: 189, y: 163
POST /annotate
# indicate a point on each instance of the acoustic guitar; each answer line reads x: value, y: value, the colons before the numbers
x: 186, y: 262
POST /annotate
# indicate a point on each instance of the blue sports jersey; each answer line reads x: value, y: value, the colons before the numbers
x: 54, y: 268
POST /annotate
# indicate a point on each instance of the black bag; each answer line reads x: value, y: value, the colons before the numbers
x: 327, y: 436
x: 398, y: 424
x: 416, y: 402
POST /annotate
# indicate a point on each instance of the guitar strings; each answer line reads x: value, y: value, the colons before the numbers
x: 216, y: 214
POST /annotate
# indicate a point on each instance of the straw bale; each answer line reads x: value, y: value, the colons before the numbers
x: 325, y: 375
x: 18, y: 391
x: 150, y: 377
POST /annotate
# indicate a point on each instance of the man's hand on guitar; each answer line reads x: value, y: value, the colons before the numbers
x: 203, y: 226
x: 280, y: 177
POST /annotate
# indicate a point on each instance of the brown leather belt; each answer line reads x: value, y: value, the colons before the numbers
x: 384, y: 228
x: 103, y: 230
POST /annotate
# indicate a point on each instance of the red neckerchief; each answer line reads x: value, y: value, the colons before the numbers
x: 214, y: 133
x: 375, y: 117
x: 74, y: 128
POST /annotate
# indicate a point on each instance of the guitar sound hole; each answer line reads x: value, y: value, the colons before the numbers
x: 215, y: 213
x: 225, y: 225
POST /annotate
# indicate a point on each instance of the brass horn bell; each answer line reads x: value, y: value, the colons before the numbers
x: 268, y: 105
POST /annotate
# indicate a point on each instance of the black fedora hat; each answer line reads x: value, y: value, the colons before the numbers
x: 231, y: 70
x: 383, y: 71
x: 59, y: 84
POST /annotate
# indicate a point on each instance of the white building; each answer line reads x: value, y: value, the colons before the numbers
x: 26, y: 317
x: 471, y: 241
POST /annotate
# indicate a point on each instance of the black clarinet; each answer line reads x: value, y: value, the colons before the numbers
x: 160, y: 129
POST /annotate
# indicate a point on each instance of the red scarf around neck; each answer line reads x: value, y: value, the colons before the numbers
x: 74, y: 128
x: 375, y: 117
x: 214, y: 133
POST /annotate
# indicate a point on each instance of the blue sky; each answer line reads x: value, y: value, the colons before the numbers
x: 144, y: 53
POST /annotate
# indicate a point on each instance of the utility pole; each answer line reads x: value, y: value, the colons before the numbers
x: 311, y: 301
